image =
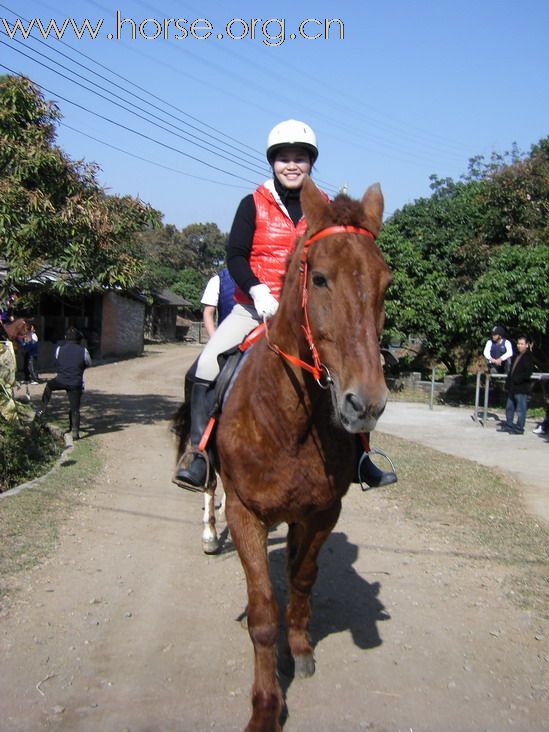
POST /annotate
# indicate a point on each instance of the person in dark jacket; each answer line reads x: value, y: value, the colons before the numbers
x: 30, y: 353
x: 71, y: 360
x: 518, y: 388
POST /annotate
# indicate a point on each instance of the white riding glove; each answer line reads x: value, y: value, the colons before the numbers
x: 265, y: 303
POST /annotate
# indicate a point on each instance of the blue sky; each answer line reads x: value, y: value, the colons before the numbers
x: 413, y: 88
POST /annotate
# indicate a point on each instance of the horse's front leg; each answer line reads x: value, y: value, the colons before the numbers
x: 210, y: 540
x: 250, y: 539
x: 304, y: 543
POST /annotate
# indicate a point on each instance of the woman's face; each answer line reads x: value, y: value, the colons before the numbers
x: 291, y: 165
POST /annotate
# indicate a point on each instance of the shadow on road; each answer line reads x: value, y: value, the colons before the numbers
x: 102, y: 412
x: 341, y: 601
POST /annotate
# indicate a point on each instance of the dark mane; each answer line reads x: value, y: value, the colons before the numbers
x: 343, y: 210
x: 347, y: 211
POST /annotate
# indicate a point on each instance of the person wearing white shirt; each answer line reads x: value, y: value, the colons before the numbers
x: 498, y: 352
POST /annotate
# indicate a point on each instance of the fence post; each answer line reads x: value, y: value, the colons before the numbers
x: 477, y: 396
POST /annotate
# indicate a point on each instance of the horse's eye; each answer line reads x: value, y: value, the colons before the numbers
x: 319, y: 280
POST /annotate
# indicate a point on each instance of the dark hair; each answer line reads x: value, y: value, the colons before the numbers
x: 73, y: 334
x: 498, y: 330
x: 305, y: 148
x: 524, y: 337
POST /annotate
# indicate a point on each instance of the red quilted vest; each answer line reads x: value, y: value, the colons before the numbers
x: 274, y: 240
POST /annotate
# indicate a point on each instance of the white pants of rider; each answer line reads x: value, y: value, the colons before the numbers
x: 237, y: 325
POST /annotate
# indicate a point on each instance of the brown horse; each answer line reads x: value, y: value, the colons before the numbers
x: 287, y: 438
x: 14, y: 330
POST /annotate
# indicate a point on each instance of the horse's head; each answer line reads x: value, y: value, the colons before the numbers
x: 346, y: 279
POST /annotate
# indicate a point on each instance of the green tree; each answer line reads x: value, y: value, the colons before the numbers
x: 53, y: 212
x: 429, y: 245
x: 199, y: 247
x: 207, y: 245
x: 190, y: 284
x: 516, y: 198
x: 473, y: 254
x: 514, y: 291
x: 165, y: 248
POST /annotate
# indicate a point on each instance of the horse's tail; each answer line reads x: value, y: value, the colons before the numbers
x: 181, y: 426
x: 181, y: 423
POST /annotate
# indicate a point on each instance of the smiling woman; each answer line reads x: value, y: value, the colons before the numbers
x: 262, y: 236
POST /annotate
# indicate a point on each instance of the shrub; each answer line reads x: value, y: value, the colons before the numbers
x: 26, y: 452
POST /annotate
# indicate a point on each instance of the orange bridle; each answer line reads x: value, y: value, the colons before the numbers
x: 317, y: 368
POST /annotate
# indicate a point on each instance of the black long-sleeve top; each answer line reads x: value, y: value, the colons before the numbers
x: 242, y: 232
x: 518, y: 380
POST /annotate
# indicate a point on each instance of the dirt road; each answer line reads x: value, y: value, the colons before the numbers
x: 128, y: 626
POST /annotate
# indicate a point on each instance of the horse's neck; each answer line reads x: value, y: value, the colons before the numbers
x: 291, y: 392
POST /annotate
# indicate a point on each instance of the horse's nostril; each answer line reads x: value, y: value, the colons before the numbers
x: 356, y: 403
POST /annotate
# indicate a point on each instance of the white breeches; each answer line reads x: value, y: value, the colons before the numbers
x: 237, y: 325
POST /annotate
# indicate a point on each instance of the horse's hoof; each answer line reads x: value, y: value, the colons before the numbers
x: 211, y: 546
x: 304, y: 666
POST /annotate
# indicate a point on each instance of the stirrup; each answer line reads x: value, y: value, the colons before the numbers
x: 374, y: 451
x: 184, y: 461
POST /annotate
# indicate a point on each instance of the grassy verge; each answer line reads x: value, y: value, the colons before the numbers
x: 476, y: 507
x: 30, y: 520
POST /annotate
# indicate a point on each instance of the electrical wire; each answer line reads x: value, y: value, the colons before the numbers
x: 182, y: 136
x: 151, y: 162
x: 135, y: 132
x: 328, y: 186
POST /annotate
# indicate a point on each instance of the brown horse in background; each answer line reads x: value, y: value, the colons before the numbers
x: 287, y: 437
x: 15, y: 330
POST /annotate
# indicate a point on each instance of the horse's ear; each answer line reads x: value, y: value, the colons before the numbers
x: 372, y: 204
x: 314, y: 204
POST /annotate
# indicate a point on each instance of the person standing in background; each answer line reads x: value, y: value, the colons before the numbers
x: 518, y: 388
x: 72, y: 358
x: 30, y: 353
x: 498, y: 352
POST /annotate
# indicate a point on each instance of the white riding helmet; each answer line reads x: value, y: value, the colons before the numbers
x: 291, y: 132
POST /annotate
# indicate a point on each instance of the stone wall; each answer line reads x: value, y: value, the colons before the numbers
x: 455, y: 389
x: 412, y: 381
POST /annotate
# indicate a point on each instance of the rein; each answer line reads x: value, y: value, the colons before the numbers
x: 317, y: 368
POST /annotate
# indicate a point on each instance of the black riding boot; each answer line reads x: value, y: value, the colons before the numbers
x: 195, y: 474
x: 46, y: 396
x: 373, y: 476
x: 369, y: 474
x: 74, y: 421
